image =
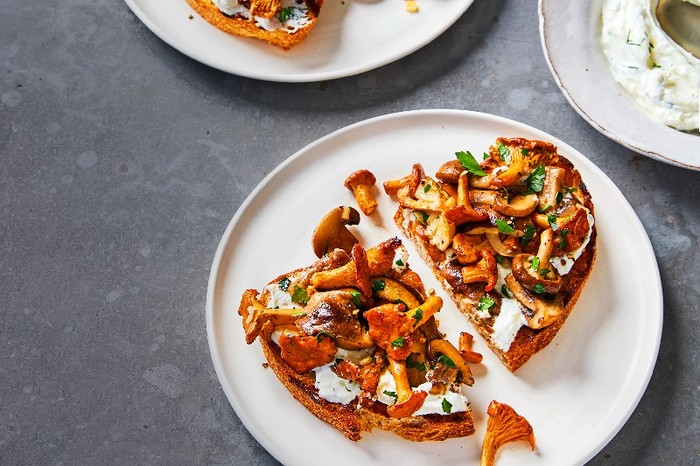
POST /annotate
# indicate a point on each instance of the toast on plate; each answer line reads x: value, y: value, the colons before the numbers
x: 283, y: 23
x: 512, y: 239
x: 354, y: 338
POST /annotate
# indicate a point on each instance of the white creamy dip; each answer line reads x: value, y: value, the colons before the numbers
x: 661, y: 76
x: 296, y: 15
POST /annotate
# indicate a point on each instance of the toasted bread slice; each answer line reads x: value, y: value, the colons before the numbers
x: 356, y: 360
x: 530, y: 217
x: 245, y: 27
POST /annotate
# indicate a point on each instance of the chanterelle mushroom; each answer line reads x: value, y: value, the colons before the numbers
x: 360, y: 183
x: 504, y: 426
x: 331, y: 232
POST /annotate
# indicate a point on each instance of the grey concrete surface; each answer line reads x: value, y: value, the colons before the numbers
x: 121, y: 163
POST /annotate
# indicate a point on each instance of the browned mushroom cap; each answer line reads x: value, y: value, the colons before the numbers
x: 543, y: 313
x: 331, y: 232
x: 449, y: 171
x: 360, y: 183
x: 504, y: 426
x: 516, y: 206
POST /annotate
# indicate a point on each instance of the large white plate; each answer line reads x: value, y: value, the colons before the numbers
x: 569, y: 31
x: 350, y: 37
x: 577, y: 393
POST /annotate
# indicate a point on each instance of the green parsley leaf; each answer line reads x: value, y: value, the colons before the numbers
x: 539, y: 288
x: 446, y: 406
x: 398, y: 343
x: 378, y: 285
x: 485, y: 303
x: 570, y: 190
x: 486, y: 156
x: 505, y: 291
x: 285, y: 14
x: 546, y: 209
x: 447, y: 362
x: 499, y: 258
x: 536, y: 264
x: 503, y: 152
x: 562, y: 234
x: 421, y: 216
x: 535, y: 180
x: 503, y: 226
x: 299, y: 295
x: 529, y: 233
x: 398, y: 301
x: 356, y: 298
x: 426, y: 188
x: 552, y: 220
x: 399, y: 262
x: 543, y: 272
x: 284, y: 284
x: 410, y: 363
x: 560, y: 196
x: 469, y: 163
x: 525, y: 152
x: 418, y: 315
x: 392, y: 394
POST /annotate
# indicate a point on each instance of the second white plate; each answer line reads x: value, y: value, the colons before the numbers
x: 350, y: 37
x: 577, y: 393
x: 570, y: 33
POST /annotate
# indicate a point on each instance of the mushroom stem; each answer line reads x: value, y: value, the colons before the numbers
x: 545, y: 250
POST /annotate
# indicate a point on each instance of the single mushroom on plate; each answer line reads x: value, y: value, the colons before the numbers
x: 360, y: 183
x: 504, y: 426
x: 331, y: 232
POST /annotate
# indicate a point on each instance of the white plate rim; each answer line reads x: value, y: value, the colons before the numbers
x: 301, y: 77
x: 648, y: 253
x: 588, y: 94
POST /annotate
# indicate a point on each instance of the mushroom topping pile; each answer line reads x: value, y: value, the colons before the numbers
x: 507, y: 228
x: 364, y: 321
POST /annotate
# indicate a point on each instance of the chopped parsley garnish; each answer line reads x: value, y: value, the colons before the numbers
x: 299, y: 295
x: 503, y: 226
x: 529, y: 233
x: 447, y: 362
x: 285, y: 14
x: 525, y: 152
x: 630, y: 42
x: 499, y: 258
x: 562, y: 234
x: 535, y: 181
x: 392, y: 394
x: 503, y: 152
x: 426, y: 188
x: 398, y: 343
x: 446, y: 406
x: 570, y: 190
x: 469, y: 163
x: 398, y: 301
x: 356, y: 298
x: 505, y: 291
x: 552, y: 220
x: 536, y: 264
x: 560, y: 196
x: 284, y: 284
x: 399, y: 262
x: 378, y: 285
x: 544, y: 272
x: 539, y: 288
x: 410, y: 363
x: 418, y: 315
x: 486, y: 156
x: 485, y: 303
x: 421, y: 216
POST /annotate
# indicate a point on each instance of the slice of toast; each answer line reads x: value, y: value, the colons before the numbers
x: 361, y: 358
x: 277, y: 33
x: 526, y: 214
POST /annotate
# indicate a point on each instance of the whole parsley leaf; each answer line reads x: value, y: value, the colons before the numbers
x: 469, y: 163
x: 503, y: 226
x: 535, y: 181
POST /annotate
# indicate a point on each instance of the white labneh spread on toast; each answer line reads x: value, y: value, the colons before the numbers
x: 508, y: 322
x: 447, y: 403
x: 564, y: 264
x: 294, y: 15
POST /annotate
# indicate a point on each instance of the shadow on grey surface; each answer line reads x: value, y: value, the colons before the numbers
x: 365, y: 90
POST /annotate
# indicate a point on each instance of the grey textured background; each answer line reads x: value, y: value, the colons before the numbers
x: 121, y: 163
